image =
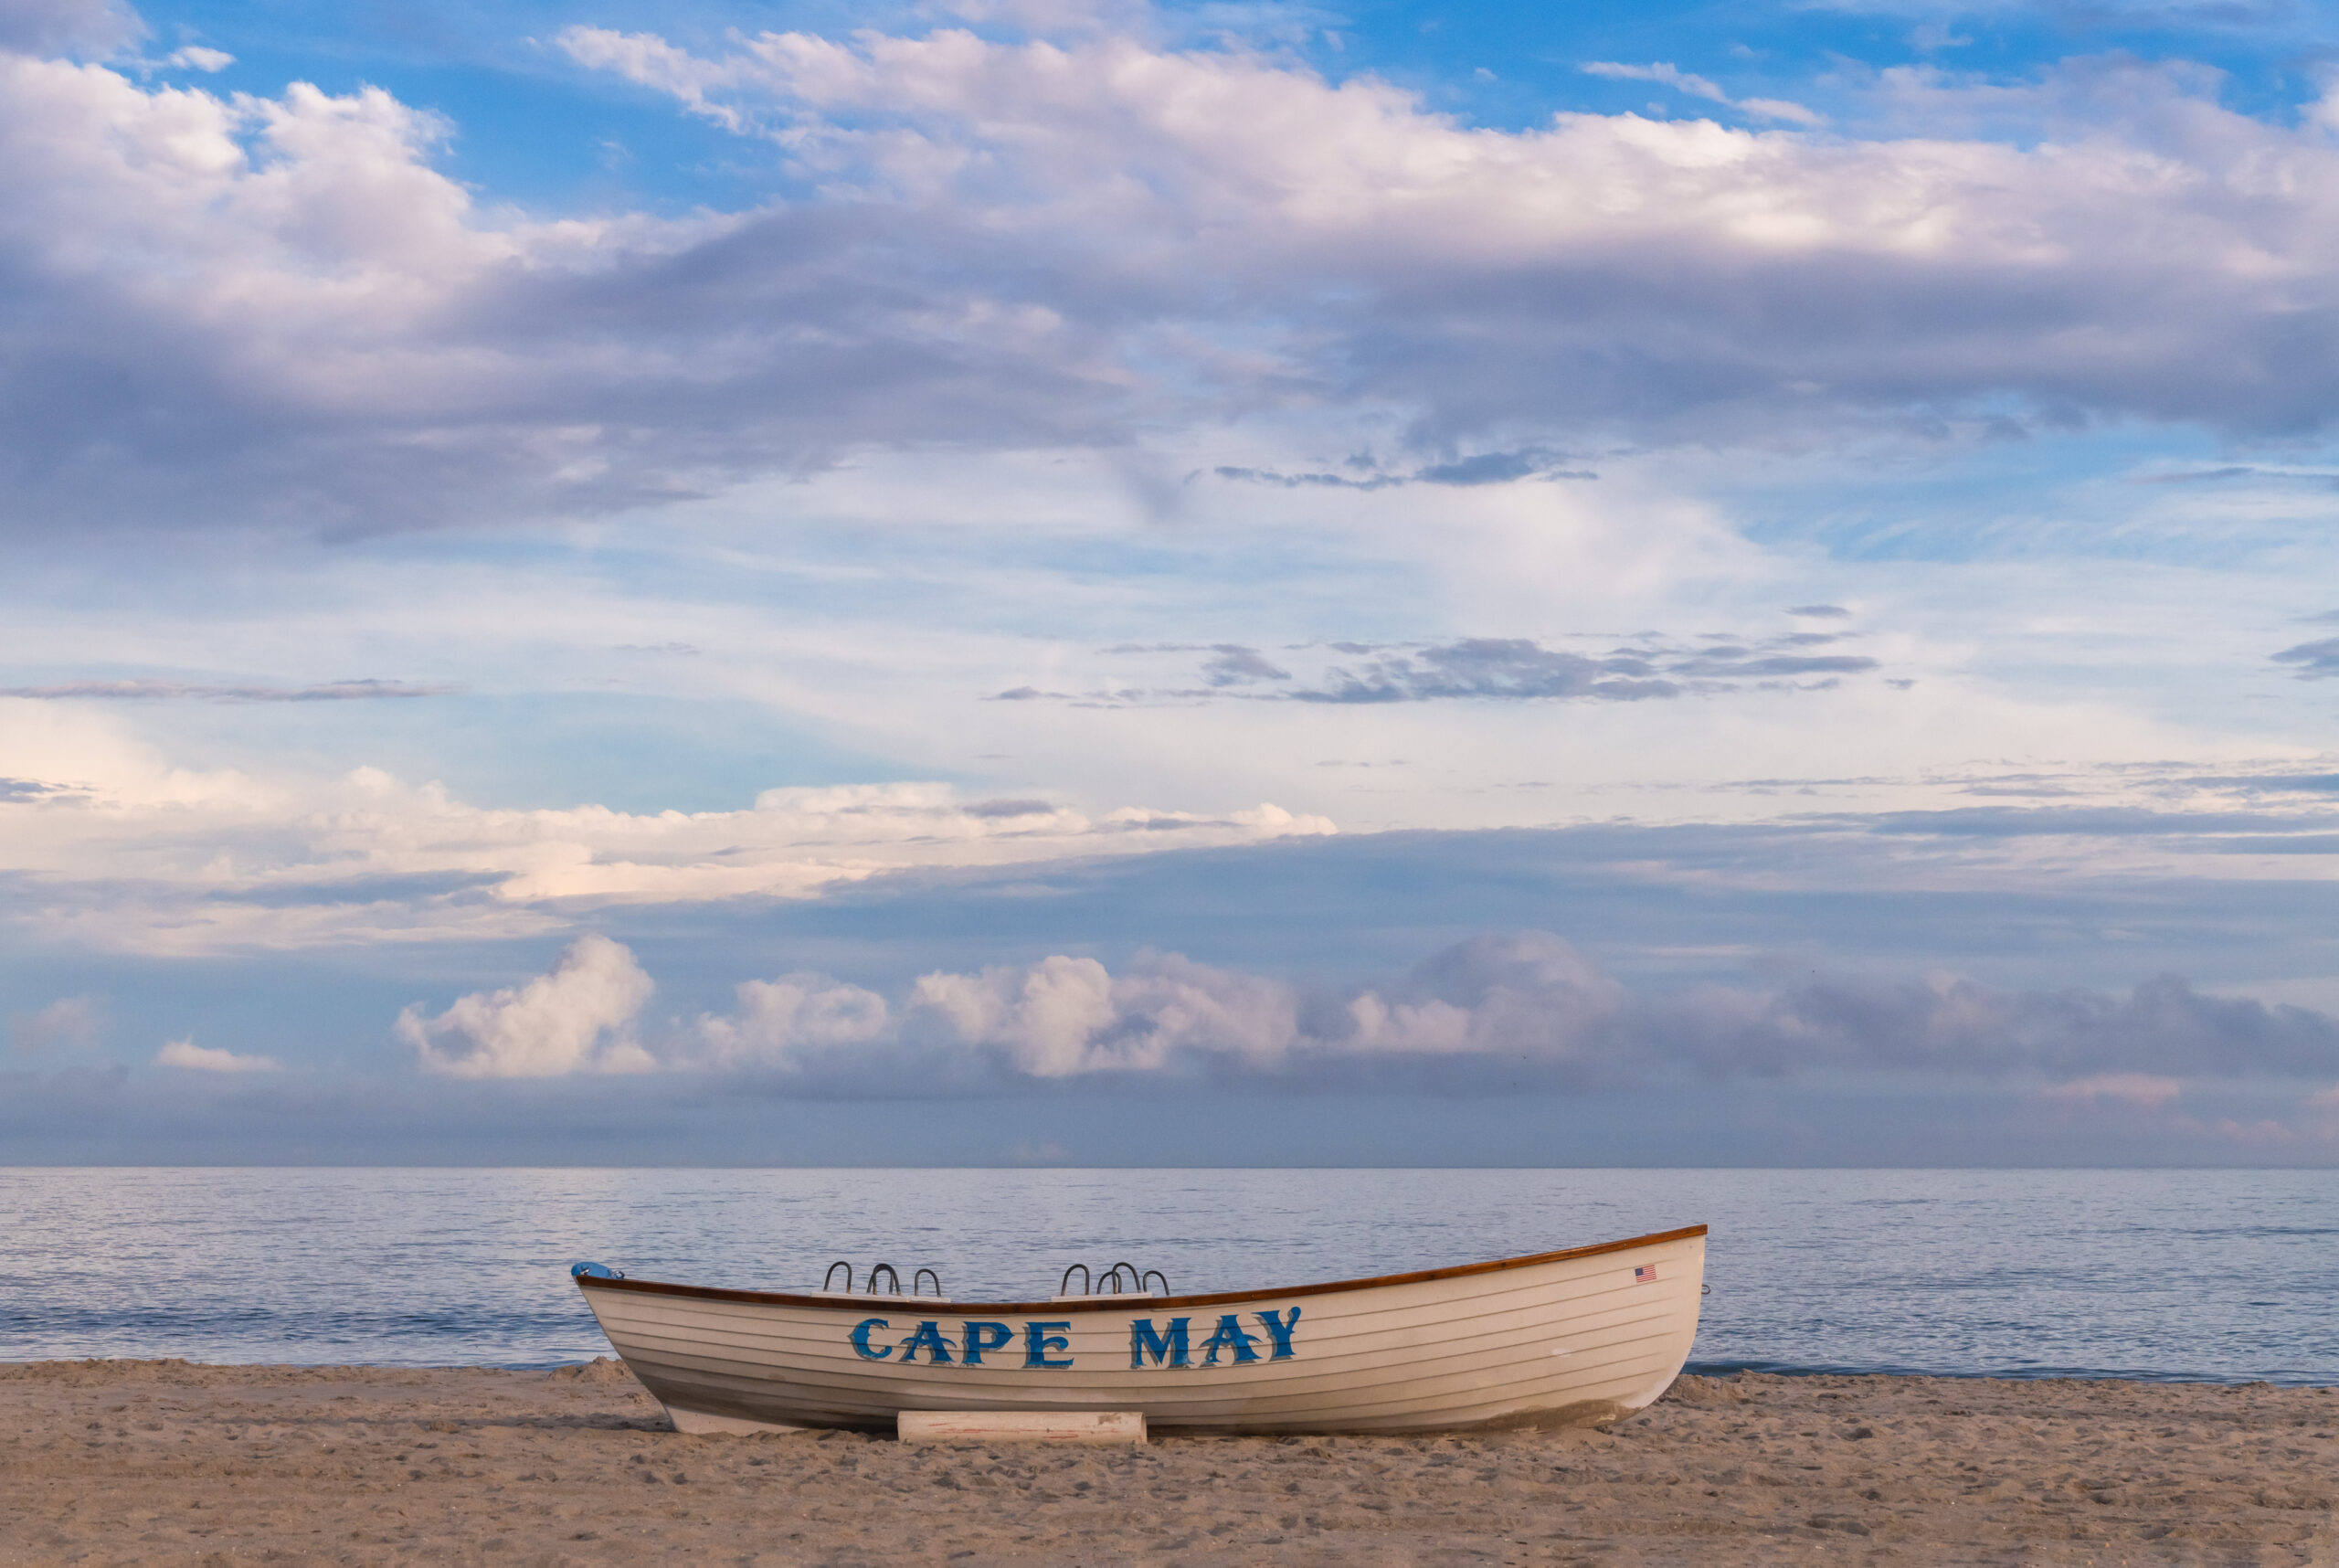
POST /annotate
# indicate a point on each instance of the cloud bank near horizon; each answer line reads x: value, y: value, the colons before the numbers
x: 1514, y: 1012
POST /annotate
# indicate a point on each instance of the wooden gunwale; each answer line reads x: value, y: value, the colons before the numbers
x: 1131, y: 1303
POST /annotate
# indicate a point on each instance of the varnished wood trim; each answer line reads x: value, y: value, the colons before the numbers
x: 1055, y: 1309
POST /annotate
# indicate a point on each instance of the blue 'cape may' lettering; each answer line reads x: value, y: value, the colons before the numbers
x: 1174, y: 1347
x: 1044, y: 1344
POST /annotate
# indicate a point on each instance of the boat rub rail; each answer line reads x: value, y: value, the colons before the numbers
x: 786, y: 1299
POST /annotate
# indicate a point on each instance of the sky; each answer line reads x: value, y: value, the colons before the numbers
x: 1083, y: 581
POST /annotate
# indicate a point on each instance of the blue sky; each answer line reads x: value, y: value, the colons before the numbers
x: 1073, y: 580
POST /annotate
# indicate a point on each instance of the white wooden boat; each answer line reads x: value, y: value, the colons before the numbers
x: 1554, y: 1338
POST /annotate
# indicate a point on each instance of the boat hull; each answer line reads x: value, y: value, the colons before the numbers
x: 1556, y: 1338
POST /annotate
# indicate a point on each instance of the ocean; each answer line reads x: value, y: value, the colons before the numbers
x: 2225, y: 1276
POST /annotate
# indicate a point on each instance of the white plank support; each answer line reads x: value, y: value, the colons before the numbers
x: 1020, y: 1426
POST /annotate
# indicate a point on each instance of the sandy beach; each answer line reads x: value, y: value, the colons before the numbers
x: 109, y: 1462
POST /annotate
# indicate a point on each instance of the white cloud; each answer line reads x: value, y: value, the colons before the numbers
x: 276, y: 309
x: 1063, y: 1017
x: 1702, y: 87
x: 194, y: 57
x: 1669, y: 75
x: 194, y: 1058
x: 579, y: 1018
x: 779, y: 1018
x: 122, y: 850
x: 1126, y: 147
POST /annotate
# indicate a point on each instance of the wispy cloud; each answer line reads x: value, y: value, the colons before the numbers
x: 1671, y: 76
x: 1486, y: 668
x: 1519, y: 668
x: 188, y: 1056
x: 2315, y: 661
x: 185, y: 690
x: 1466, y: 473
x: 1231, y: 664
x: 194, y: 57
x: 228, y: 862
x: 15, y: 790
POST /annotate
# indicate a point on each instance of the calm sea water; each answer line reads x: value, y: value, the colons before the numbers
x: 2214, y: 1275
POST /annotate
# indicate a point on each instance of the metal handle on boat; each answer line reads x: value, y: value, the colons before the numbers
x: 1705, y: 1290
x: 887, y: 1270
x: 832, y: 1274
x: 1087, y: 1286
x: 924, y: 1273
x: 1155, y: 1274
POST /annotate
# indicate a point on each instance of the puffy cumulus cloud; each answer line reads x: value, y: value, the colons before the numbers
x: 781, y: 1019
x: 1526, y: 997
x: 1066, y: 1017
x: 1060, y: 1018
x: 233, y: 309
x: 1528, y: 1009
x: 1519, y: 1011
x: 124, y: 851
x: 194, y: 1058
x: 579, y: 1018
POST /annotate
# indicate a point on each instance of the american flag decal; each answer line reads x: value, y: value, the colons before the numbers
x: 1644, y: 1274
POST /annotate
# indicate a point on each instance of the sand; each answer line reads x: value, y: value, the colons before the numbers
x: 107, y: 1462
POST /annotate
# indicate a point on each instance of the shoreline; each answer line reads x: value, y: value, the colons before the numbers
x: 1709, y: 1370
x: 176, y: 1461
x: 1725, y: 1370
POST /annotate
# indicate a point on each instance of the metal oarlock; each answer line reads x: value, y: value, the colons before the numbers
x: 869, y: 1287
x: 1109, y: 1283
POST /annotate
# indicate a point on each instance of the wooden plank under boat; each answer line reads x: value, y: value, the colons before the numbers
x: 1560, y: 1338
